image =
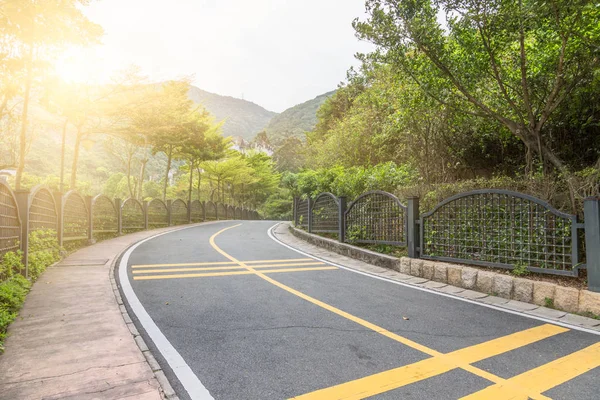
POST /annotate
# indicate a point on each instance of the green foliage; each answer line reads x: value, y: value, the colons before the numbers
x: 12, y: 296
x: 278, y: 206
x: 11, y: 264
x: 548, y: 302
x: 520, y: 270
x: 43, y: 251
x: 351, y: 181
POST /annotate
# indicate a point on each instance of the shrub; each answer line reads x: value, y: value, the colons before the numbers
x: 43, y: 251
x: 12, y: 296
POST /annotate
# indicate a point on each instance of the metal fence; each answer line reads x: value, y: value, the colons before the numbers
x: 179, y: 212
x: 497, y: 228
x: 76, y: 220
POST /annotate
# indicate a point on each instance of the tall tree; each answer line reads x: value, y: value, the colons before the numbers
x: 512, y: 61
x: 36, y: 28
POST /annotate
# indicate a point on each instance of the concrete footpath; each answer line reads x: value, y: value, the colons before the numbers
x: 72, y: 340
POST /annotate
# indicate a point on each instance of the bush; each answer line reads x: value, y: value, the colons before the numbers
x: 43, y: 251
x: 12, y: 296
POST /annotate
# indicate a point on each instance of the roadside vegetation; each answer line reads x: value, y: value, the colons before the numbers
x: 459, y: 96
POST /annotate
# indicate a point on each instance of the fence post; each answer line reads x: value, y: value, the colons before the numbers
x: 342, y: 219
x: 189, y: 211
x: 58, y: 200
x: 310, y: 219
x: 22, y: 197
x: 145, y: 208
x: 90, y: 215
x: 204, y: 211
x: 591, y: 211
x: 412, y: 231
x: 169, y: 216
x: 118, y: 204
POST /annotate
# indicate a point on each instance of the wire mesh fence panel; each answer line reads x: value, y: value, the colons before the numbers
x: 221, y: 211
x: 158, y: 216
x: 325, y: 212
x: 376, y: 217
x: 504, y: 229
x: 211, y: 211
x: 230, y: 212
x: 10, y: 223
x: 179, y: 212
x: 245, y: 214
x: 75, y: 217
x: 132, y: 215
x: 104, y: 218
x: 238, y: 213
x: 42, y: 210
x: 197, y: 211
x: 301, y: 213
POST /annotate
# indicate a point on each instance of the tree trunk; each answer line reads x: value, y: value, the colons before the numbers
x: 75, y: 159
x: 166, y: 185
x: 199, y: 178
x: 129, y: 157
x: 191, y: 181
x: 23, y: 137
x: 62, y: 156
x: 141, y: 179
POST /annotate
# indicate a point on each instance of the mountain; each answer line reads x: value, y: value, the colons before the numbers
x: 242, y: 118
x: 295, y: 120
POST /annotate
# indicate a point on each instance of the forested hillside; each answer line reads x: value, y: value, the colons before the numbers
x: 295, y: 121
x: 242, y: 118
x: 476, y: 102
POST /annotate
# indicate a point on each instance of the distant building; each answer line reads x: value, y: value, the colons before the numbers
x: 241, y: 145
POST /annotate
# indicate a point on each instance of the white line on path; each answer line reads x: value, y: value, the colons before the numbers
x: 184, y: 373
x: 550, y: 321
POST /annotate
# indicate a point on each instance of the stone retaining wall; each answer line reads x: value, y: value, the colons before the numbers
x: 529, y: 291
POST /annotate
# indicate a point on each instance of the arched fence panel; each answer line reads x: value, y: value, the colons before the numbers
x: 197, y: 211
x: 10, y: 222
x: 325, y: 214
x: 211, y: 211
x: 104, y: 217
x: 179, y: 212
x: 245, y: 214
x: 221, y: 211
x: 238, y: 213
x: 301, y: 215
x: 376, y: 217
x: 502, y: 228
x: 75, y: 217
x: 230, y: 212
x: 132, y: 215
x: 158, y: 215
x: 42, y: 210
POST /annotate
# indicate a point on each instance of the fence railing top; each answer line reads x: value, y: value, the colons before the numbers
x: 14, y: 198
x: 511, y: 193
x: 34, y: 191
x: 99, y: 196
x: 326, y: 194
x: 162, y: 203
x: 131, y: 199
x: 374, y: 192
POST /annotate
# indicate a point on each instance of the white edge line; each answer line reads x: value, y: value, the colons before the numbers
x: 423, y: 289
x: 182, y: 371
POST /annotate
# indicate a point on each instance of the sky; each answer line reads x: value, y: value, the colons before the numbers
x: 275, y: 53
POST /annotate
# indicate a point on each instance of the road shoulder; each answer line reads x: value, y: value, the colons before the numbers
x: 281, y: 233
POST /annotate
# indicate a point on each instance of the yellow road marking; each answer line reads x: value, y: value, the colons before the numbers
x: 360, y: 321
x: 543, y: 378
x: 219, y: 263
x: 147, y: 271
x: 405, y: 375
x: 209, y: 274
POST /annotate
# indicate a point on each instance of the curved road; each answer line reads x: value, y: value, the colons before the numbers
x: 232, y: 314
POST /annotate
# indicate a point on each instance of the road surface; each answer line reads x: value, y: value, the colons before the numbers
x: 232, y: 314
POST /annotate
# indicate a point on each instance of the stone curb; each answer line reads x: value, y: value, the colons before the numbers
x: 167, y: 391
x: 504, y: 291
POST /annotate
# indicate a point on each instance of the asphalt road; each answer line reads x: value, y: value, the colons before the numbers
x: 253, y: 319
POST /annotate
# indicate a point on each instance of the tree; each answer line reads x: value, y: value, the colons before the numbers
x: 512, y: 61
x: 35, y: 28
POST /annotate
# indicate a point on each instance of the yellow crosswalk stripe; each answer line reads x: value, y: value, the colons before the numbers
x: 194, y: 264
x: 543, y: 378
x: 148, y: 271
x: 211, y: 274
x: 437, y: 365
